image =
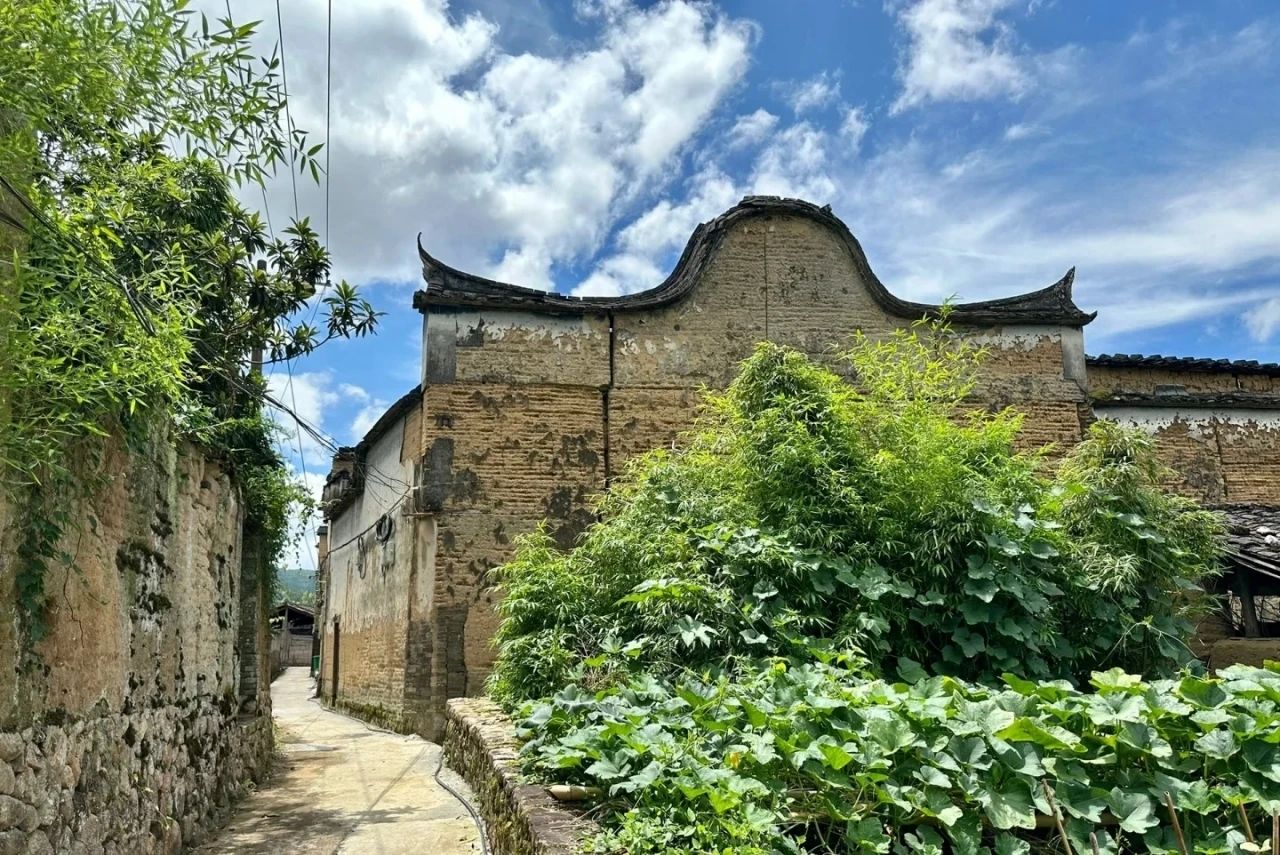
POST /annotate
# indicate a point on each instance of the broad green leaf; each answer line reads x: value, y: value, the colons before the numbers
x: 1134, y: 811
x: 1218, y: 743
x: 1009, y: 806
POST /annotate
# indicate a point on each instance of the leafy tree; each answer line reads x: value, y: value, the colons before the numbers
x: 137, y: 290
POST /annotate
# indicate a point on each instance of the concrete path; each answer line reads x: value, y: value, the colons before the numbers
x: 343, y: 788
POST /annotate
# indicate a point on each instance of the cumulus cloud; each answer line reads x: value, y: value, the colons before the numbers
x: 367, y: 416
x: 853, y: 127
x: 645, y: 244
x: 957, y: 50
x: 751, y: 129
x: 309, y: 395
x: 443, y: 129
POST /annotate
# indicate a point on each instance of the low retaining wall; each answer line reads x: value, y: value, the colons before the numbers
x: 520, y: 818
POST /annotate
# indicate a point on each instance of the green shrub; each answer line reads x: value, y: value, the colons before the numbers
x: 799, y: 631
x: 887, y: 517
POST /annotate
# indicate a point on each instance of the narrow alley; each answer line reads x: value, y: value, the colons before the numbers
x: 343, y: 788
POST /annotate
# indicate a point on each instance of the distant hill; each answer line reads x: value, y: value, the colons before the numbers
x: 297, y: 586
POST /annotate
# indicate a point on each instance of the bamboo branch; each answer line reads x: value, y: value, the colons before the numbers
x: 1177, y: 826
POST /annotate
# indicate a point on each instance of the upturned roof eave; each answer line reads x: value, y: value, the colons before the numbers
x: 448, y: 287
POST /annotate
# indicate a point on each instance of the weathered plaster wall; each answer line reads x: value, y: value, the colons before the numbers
x: 526, y: 416
x: 370, y: 577
x: 1219, y: 456
x: 128, y: 729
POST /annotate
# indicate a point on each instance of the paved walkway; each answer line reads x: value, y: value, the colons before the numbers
x: 342, y: 788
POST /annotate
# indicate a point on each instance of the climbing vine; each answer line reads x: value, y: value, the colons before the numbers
x: 137, y: 289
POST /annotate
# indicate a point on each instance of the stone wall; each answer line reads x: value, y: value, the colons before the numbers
x: 129, y: 727
x: 519, y: 818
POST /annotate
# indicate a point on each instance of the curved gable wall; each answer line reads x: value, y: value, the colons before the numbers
x: 532, y: 402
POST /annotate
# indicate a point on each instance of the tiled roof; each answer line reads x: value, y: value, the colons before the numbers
x: 1253, y: 536
x: 1183, y: 363
x: 450, y: 287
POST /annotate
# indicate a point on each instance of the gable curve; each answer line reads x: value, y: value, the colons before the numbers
x: 449, y: 287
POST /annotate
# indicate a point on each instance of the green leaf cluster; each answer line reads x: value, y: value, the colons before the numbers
x: 881, y: 515
x: 135, y: 290
x: 790, y: 756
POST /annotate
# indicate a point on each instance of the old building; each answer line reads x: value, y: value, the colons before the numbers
x: 530, y: 402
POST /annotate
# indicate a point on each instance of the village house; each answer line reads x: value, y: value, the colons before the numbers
x: 530, y: 402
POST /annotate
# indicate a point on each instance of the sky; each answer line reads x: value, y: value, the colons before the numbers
x: 977, y: 148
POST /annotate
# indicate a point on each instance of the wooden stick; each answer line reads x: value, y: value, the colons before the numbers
x: 1244, y: 818
x: 1177, y: 826
x: 1275, y: 833
x: 1093, y: 842
x: 1057, y: 817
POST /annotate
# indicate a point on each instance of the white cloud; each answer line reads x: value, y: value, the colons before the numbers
x: 751, y: 129
x: 958, y: 50
x: 853, y: 127
x: 309, y: 395
x: 440, y: 128
x: 1021, y: 131
x: 818, y: 91
x: 798, y: 161
x: 1263, y: 320
x: 1192, y: 242
x: 368, y: 414
x: 644, y: 245
x: 354, y: 392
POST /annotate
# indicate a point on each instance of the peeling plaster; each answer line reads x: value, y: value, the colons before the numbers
x: 496, y: 325
x: 1022, y: 338
x: 1199, y: 422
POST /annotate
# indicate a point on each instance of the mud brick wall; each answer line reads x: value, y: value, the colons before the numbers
x: 1106, y: 380
x: 1218, y: 456
x: 527, y: 415
x: 531, y: 405
x: 129, y: 727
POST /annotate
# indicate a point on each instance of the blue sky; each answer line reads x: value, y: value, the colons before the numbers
x: 977, y: 148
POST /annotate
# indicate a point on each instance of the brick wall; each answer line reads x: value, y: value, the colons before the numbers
x: 527, y: 414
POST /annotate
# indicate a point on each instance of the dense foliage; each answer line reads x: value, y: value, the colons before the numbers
x: 137, y: 291
x: 787, y: 757
x: 885, y: 517
x: 800, y: 630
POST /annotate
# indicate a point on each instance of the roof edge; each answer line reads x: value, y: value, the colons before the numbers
x: 1184, y: 363
x: 452, y: 288
x: 1191, y: 400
